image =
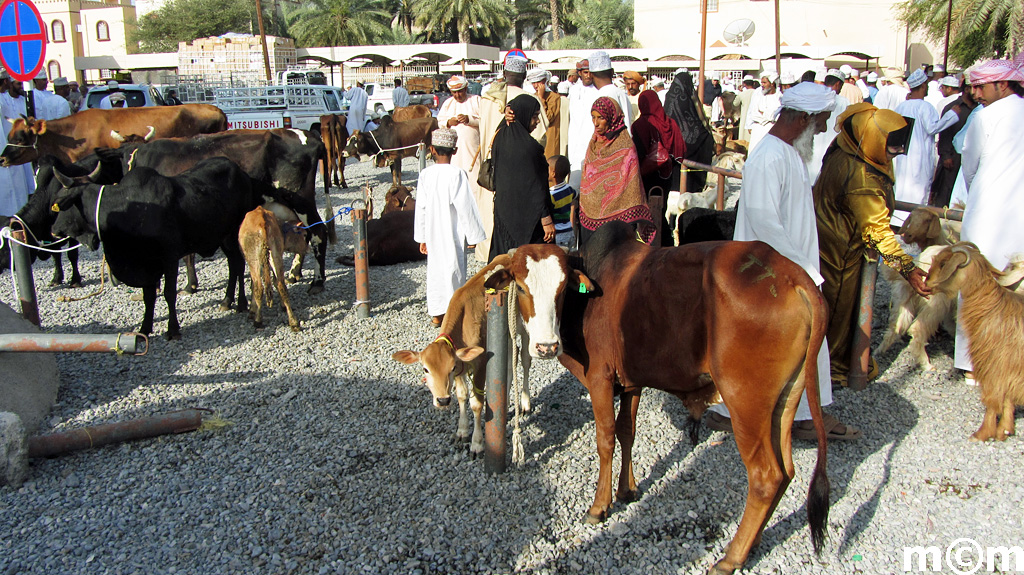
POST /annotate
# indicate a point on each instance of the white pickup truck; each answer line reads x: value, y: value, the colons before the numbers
x: 291, y: 106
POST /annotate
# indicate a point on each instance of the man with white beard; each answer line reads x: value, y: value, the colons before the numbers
x: 776, y: 207
x: 581, y: 125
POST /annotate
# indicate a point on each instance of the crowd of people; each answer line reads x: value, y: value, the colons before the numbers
x: 829, y: 153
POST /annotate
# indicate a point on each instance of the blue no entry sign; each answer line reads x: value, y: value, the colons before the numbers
x: 22, y: 39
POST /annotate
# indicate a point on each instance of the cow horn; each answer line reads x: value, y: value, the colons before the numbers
x: 95, y: 174
x: 117, y: 136
x: 65, y: 181
x: 152, y: 132
x: 512, y: 252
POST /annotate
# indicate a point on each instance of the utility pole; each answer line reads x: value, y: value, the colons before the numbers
x: 263, y: 39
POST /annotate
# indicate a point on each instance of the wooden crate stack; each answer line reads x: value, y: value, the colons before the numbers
x: 216, y: 55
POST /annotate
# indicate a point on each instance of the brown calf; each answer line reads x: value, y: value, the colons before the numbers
x: 263, y: 244
x: 334, y: 134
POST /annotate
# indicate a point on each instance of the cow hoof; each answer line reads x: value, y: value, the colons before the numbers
x: 257, y: 324
x: 189, y: 290
x: 315, y: 288
x: 460, y: 439
x: 172, y: 336
x: 296, y: 328
x: 225, y: 306
x: 591, y: 519
x: 77, y: 284
x: 720, y: 569
x: 56, y: 282
x: 626, y: 497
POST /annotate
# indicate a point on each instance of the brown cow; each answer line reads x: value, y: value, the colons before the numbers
x: 391, y: 141
x: 398, y: 199
x: 389, y: 238
x: 263, y: 244
x: 741, y: 322
x: 78, y: 135
x: 334, y: 134
x: 410, y: 113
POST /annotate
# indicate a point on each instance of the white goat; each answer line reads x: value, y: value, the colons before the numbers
x: 993, y: 319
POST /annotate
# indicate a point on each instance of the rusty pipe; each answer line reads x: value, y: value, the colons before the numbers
x: 715, y: 169
x: 78, y: 343
x: 860, y: 351
x: 97, y: 435
x: 720, y: 201
x: 362, y: 265
x: 496, y: 386
x: 944, y: 213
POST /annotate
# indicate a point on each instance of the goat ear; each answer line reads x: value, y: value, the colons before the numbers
x: 405, y: 356
x: 469, y: 353
x: 957, y: 260
x: 934, y: 228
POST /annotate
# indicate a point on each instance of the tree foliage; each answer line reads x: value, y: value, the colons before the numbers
x: 466, y: 16
x: 186, y: 20
x: 339, y: 23
x: 599, y: 24
x: 979, y: 29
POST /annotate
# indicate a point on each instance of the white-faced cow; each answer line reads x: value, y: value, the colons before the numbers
x: 147, y: 222
x: 740, y: 322
x: 78, y: 135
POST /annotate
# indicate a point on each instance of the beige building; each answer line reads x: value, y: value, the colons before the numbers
x: 84, y: 28
x: 865, y: 32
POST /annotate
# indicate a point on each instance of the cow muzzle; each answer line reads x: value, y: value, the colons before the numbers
x: 547, y: 350
x: 443, y: 402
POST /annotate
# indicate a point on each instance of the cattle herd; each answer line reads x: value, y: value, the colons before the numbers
x: 152, y: 186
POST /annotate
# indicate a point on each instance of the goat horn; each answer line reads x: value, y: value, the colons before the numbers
x: 118, y: 137
x: 960, y: 249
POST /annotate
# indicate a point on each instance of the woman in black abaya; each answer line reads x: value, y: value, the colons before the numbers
x: 681, y: 105
x: 522, y: 204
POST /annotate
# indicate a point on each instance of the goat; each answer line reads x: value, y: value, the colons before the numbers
x: 263, y: 243
x: 993, y: 319
x: 908, y: 311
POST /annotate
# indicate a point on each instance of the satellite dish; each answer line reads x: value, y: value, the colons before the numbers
x: 739, y: 31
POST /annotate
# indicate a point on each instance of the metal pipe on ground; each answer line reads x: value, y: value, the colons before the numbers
x: 131, y: 343
x: 496, y: 387
x: 97, y: 435
x: 23, y: 277
x: 860, y: 352
x: 362, y: 264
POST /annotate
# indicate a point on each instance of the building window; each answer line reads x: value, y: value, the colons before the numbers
x: 53, y: 67
x: 102, y: 31
x: 57, y: 31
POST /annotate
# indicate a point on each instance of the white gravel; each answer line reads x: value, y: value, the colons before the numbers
x: 335, y: 460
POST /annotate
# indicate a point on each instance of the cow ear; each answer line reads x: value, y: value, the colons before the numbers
x: 39, y: 127
x: 469, y: 353
x: 405, y: 356
x: 66, y: 198
x: 498, y: 280
x: 580, y: 283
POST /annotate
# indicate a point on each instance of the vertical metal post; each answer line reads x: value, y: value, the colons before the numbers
x: 23, y: 276
x: 778, y: 41
x: 860, y: 352
x: 496, y: 387
x: 720, y: 202
x: 703, y: 43
x: 362, y: 265
x: 423, y: 156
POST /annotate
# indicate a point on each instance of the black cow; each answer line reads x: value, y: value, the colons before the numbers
x: 281, y: 163
x: 391, y: 141
x: 37, y: 216
x: 147, y: 222
x: 389, y: 240
x: 705, y: 225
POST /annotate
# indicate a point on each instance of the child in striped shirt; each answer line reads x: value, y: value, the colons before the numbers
x: 562, y: 196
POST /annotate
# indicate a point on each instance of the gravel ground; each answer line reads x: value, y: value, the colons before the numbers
x: 335, y: 461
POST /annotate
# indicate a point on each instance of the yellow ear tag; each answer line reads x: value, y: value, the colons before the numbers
x: 55, y: 207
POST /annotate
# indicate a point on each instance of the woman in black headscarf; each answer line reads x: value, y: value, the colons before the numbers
x: 522, y: 203
x: 681, y: 105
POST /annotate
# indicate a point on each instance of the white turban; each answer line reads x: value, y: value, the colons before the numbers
x: 538, y: 75
x: 808, y: 97
x: 772, y: 76
x: 456, y: 83
x: 917, y: 77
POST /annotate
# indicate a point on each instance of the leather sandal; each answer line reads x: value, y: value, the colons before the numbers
x: 805, y: 430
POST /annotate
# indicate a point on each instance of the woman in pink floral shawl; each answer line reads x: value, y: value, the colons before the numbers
x: 611, y: 188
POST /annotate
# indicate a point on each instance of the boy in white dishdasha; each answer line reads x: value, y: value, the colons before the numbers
x: 447, y: 222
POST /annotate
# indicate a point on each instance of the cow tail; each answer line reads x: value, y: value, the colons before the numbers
x: 818, y: 493
x: 332, y: 233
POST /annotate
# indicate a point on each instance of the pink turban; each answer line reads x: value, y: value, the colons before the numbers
x: 996, y: 71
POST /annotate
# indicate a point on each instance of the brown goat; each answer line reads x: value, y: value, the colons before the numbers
x: 263, y: 244
x: 993, y: 318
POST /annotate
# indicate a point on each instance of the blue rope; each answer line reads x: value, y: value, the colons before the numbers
x: 341, y: 212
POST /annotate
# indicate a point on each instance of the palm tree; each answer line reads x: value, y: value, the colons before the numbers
x: 403, y: 13
x: 528, y: 14
x: 466, y: 15
x: 978, y: 28
x: 600, y: 24
x: 554, y: 20
x: 339, y: 22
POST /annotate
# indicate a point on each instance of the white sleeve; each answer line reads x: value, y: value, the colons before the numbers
x: 970, y: 159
